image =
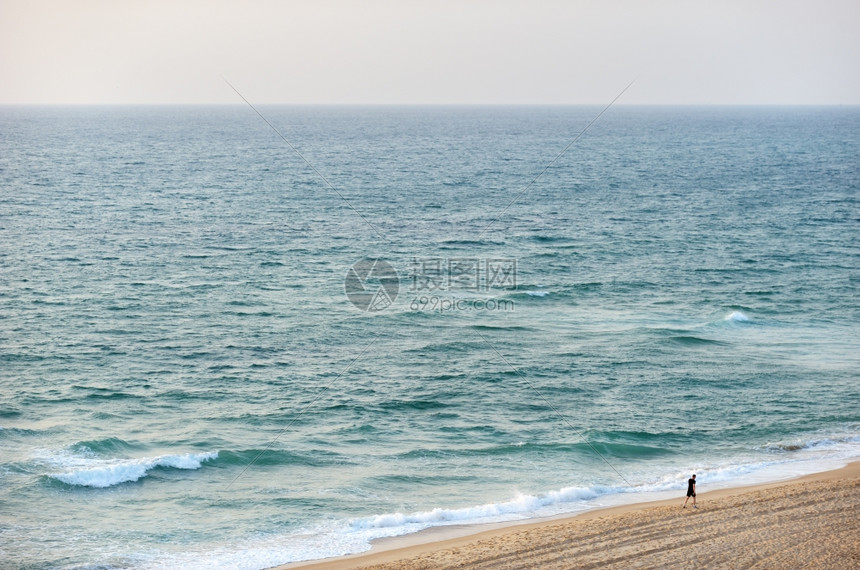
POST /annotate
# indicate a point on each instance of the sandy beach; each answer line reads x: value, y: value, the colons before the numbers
x: 809, y: 522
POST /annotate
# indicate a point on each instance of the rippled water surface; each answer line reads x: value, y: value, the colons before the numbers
x: 185, y: 380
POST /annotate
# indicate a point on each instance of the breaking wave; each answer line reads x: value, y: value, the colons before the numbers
x: 114, y: 472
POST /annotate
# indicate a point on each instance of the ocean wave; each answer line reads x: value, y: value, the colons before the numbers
x: 416, y: 404
x: 350, y: 536
x: 114, y: 472
x: 690, y: 340
x: 737, y: 317
x: 8, y: 432
x: 541, y: 238
x: 522, y: 504
x: 611, y: 449
x: 483, y: 327
x: 568, y: 499
x: 819, y: 444
x: 264, y: 457
x: 112, y: 445
x: 469, y: 242
x: 525, y: 294
x: 446, y: 347
x: 10, y: 412
x: 536, y: 293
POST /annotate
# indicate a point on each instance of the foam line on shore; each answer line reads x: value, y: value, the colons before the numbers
x: 438, y: 538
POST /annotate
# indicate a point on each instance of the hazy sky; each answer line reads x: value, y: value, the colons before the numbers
x: 379, y: 51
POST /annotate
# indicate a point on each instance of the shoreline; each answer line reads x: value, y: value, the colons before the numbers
x: 422, y: 547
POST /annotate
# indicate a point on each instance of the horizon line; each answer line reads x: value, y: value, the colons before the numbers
x: 133, y: 104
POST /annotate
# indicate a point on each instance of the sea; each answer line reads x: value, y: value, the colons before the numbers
x: 236, y: 336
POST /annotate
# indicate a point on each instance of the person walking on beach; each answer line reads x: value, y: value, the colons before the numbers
x: 691, y: 491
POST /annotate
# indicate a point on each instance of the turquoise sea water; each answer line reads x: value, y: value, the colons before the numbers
x: 184, y: 380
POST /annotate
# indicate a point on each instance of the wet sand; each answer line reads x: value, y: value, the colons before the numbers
x: 810, y: 522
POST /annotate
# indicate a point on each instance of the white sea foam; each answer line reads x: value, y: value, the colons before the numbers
x: 537, y: 293
x: 839, y: 443
x: 817, y: 455
x: 336, y: 538
x: 110, y: 472
x: 521, y: 504
x: 737, y: 317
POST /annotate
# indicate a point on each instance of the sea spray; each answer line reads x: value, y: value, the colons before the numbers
x: 737, y: 317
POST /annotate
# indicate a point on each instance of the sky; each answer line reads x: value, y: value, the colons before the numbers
x: 430, y: 52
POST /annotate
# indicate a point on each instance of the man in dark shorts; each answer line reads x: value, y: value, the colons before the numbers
x: 691, y: 491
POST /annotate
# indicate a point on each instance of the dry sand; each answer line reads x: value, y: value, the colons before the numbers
x: 811, y: 522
